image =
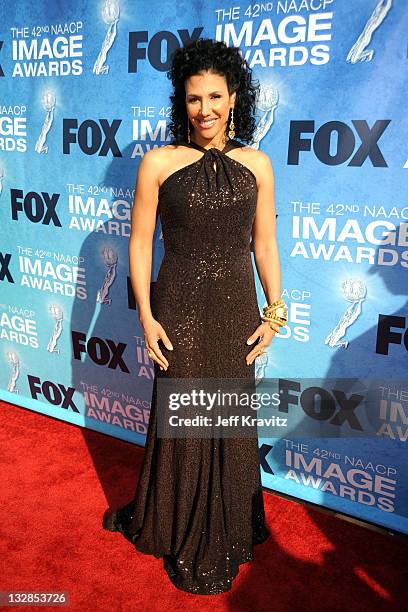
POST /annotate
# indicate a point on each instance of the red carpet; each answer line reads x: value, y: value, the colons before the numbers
x: 57, y: 481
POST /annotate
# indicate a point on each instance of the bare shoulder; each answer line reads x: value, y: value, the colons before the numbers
x: 154, y: 160
x: 257, y: 161
x: 156, y: 156
x: 166, y: 159
x: 165, y: 155
x: 257, y: 156
x: 166, y: 151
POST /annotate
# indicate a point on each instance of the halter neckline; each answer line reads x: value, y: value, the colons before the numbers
x: 230, y: 143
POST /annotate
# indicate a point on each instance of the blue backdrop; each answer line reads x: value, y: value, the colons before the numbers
x: 84, y: 96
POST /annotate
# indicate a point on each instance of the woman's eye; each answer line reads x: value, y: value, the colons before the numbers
x: 195, y: 99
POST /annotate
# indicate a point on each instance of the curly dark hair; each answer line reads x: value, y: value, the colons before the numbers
x: 207, y: 54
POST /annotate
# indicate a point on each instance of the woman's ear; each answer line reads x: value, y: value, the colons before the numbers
x: 232, y: 98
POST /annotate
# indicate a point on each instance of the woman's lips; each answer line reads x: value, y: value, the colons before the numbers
x: 206, y: 124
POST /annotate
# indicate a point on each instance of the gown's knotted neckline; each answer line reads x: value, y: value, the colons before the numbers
x: 230, y: 144
x: 219, y: 175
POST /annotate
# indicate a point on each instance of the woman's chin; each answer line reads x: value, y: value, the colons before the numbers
x: 207, y: 133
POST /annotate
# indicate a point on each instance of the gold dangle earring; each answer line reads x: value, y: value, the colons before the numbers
x: 188, y: 130
x: 231, y: 131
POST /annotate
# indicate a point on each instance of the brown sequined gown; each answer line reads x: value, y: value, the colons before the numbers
x: 198, y: 502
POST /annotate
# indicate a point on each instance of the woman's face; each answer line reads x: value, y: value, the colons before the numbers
x: 208, y: 104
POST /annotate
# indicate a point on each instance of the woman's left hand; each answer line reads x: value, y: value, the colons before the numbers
x: 266, y: 333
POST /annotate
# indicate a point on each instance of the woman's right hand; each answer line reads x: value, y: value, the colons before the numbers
x: 153, y: 332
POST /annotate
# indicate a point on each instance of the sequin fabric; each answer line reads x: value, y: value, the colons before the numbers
x: 198, y: 501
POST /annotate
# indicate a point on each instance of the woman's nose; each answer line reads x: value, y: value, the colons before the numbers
x: 205, y: 108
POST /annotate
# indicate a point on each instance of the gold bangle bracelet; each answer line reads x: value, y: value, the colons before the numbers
x: 276, y: 308
x: 281, y: 313
x: 279, y: 302
x: 278, y: 320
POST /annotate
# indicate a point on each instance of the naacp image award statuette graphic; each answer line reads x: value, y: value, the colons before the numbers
x: 58, y: 315
x: 48, y: 102
x: 354, y: 291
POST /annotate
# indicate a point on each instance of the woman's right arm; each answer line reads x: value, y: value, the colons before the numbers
x: 143, y: 222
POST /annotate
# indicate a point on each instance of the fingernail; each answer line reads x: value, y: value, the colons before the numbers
x: 249, y: 341
x: 171, y: 347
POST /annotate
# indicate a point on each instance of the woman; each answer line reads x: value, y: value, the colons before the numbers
x: 199, y: 501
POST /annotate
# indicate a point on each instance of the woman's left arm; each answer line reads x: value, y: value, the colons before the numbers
x: 266, y: 252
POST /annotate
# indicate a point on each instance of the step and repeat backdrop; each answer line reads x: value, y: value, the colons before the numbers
x: 84, y: 95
